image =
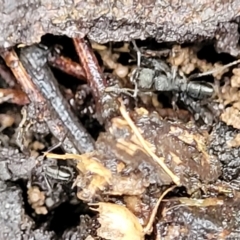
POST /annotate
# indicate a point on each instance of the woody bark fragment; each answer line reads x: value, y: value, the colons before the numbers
x: 93, y: 72
x: 14, y: 96
x: 22, y: 77
x: 115, y: 20
x: 68, y: 66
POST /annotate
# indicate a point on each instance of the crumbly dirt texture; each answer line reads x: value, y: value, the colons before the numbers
x: 26, y: 21
x: 95, y: 147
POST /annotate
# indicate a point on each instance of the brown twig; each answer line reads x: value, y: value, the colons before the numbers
x: 21, y: 75
x: 92, y: 70
x: 67, y: 65
x: 17, y: 96
x: 90, y: 65
x: 147, y: 229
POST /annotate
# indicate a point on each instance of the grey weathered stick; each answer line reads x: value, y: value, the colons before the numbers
x: 34, y: 59
x: 26, y: 21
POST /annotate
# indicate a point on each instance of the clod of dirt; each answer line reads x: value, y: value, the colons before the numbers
x: 36, y: 199
x: 16, y: 164
x: 230, y: 95
x: 87, y: 229
x: 228, y: 39
x: 39, y: 234
x: 230, y: 98
x: 221, y: 136
x: 121, y: 166
x: 110, y: 60
x: 134, y: 204
x: 12, y: 215
x: 234, y: 142
x: 231, y: 117
x: 235, y: 79
x: 182, y: 147
x: 199, y: 219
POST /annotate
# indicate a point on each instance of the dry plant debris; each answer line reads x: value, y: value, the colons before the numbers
x: 182, y: 148
x: 145, y: 144
x: 117, y: 222
x: 128, y: 144
x: 110, y: 215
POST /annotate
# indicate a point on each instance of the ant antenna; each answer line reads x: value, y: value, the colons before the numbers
x: 138, y: 66
x: 215, y: 70
x: 118, y: 90
x: 57, y: 145
x: 128, y: 91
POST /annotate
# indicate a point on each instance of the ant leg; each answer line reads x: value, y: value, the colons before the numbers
x: 138, y: 53
x: 54, y: 146
x: 174, y: 102
x: 48, y: 183
x: 217, y: 90
x: 138, y: 66
x: 57, y: 145
x: 174, y: 72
